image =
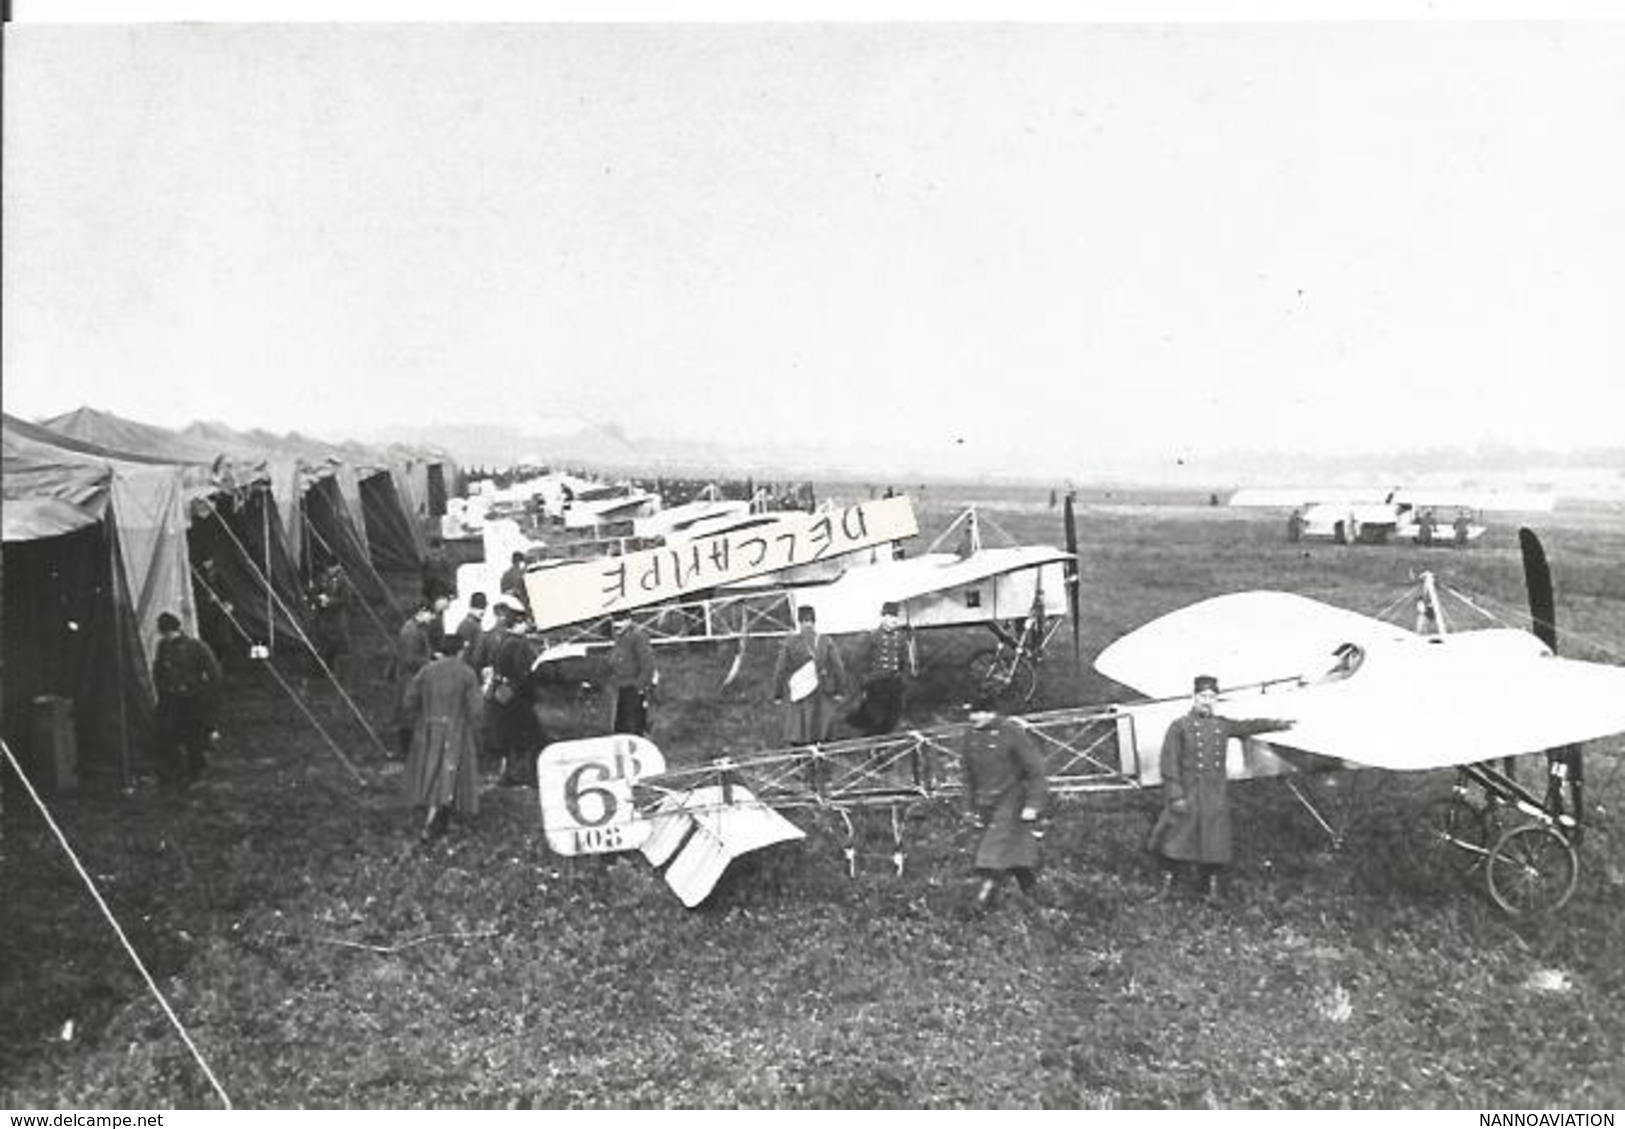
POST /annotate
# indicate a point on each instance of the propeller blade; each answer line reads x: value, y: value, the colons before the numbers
x: 1537, y: 576
x: 1567, y: 762
x: 1073, y: 580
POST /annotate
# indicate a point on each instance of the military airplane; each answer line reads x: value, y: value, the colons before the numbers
x: 1362, y: 692
x: 1020, y: 593
x: 1366, y: 517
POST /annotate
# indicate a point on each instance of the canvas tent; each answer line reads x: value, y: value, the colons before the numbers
x: 236, y: 542
x: 374, y: 491
x: 94, y: 549
x: 109, y: 521
x: 337, y: 504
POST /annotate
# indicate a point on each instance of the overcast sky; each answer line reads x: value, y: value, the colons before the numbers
x: 1069, y: 243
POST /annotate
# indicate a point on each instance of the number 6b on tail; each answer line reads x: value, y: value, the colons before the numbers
x: 586, y: 793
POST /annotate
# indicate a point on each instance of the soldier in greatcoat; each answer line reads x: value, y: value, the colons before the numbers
x: 514, y: 731
x: 633, y: 676
x: 1194, y: 827
x: 1006, y: 787
x: 413, y: 650
x: 331, y: 628
x: 809, y: 672
x: 444, y: 705
x: 187, y: 676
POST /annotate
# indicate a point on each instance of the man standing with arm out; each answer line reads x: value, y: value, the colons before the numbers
x: 1194, y: 827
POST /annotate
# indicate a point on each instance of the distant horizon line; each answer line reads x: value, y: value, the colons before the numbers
x: 1206, y: 472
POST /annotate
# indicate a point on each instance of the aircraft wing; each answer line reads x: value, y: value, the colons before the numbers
x: 852, y: 601
x: 939, y: 571
x: 1455, y: 700
x: 1243, y: 638
x: 691, y: 516
x: 610, y: 509
x: 1411, y: 702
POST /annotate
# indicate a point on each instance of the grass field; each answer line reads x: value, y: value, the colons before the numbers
x: 320, y: 958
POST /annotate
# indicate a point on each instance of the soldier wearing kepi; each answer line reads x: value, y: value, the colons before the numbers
x: 332, y: 624
x: 514, y: 731
x: 884, y: 659
x: 1194, y: 827
x: 187, y: 677
x: 810, y: 672
x: 442, y: 708
x: 633, y: 675
x: 1006, y: 787
x: 413, y: 651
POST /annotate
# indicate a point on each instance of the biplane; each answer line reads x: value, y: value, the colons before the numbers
x: 1021, y: 593
x: 1362, y: 692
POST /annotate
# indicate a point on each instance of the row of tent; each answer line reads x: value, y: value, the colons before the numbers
x: 108, y: 522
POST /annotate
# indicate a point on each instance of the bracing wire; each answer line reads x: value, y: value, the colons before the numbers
x: 124, y: 940
x: 1407, y: 596
x: 333, y: 678
x: 365, y: 606
x: 282, y: 682
x: 1515, y: 616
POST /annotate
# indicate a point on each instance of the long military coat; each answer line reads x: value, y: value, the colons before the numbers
x: 411, y: 655
x: 1193, y: 776
x: 810, y: 720
x: 444, y: 704
x: 1004, y: 772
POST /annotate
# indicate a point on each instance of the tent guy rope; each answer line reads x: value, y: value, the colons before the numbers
x: 101, y: 904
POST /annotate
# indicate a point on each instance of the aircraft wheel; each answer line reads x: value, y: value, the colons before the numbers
x: 1532, y: 869
x: 1009, y: 677
x: 1447, y: 839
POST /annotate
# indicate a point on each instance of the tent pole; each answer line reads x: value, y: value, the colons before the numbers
x: 338, y: 752
x: 356, y: 710
x: 115, y: 575
x: 270, y: 592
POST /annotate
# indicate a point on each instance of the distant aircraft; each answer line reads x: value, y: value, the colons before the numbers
x: 603, y: 506
x: 1385, y: 522
x: 708, y: 512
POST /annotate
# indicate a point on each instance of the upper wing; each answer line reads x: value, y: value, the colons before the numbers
x: 1240, y: 639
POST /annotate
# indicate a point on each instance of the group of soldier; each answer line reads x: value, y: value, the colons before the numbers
x: 467, y: 695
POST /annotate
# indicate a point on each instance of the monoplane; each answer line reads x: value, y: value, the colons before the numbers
x: 1379, y: 518
x: 1021, y: 593
x: 1362, y: 692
